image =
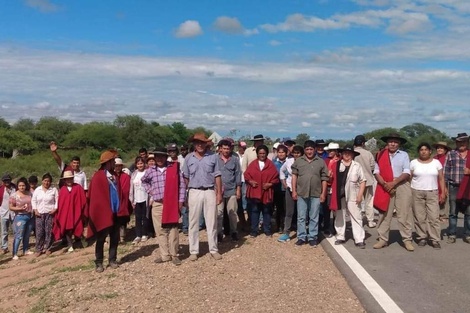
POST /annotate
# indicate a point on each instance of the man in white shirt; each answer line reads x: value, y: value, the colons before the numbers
x: 79, y: 175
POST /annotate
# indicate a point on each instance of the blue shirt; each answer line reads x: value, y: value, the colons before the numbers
x: 231, y: 175
x: 278, y: 163
x: 201, y: 172
x: 400, y: 164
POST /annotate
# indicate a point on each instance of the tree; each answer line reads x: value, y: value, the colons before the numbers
x: 13, y: 140
x: 134, y: 131
x: 4, y: 124
x: 95, y: 134
x: 301, y: 138
x: 24, y: 125
x: 58, y: 128
x: 181, y: 132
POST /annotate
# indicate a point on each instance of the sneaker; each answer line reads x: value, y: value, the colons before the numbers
x: 253, y: 235
x: 70, y: 249
x: 176, y: 261
x: 114, y: 265
x: 380, y: 244
x: 361, y: 245
x: 193, y: 257
x: 99, y: 268
x: 451, y: 239
x: 160, y: 260
x: 284, y: 238
x: 339, y: 242
x: 15, y: 257
x: 144, y: 238
x: 422, y: 243
x: 234, y: 237
x: 436, y: 245
x: 136, y: 240
x: 216, y: 256
x: 372, y: 224
x: 409, y: 246
x: 28, y: 252
x: 300, y: 242
x: 313, y: 243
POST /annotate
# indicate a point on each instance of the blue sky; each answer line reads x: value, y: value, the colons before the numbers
x: 331, y: 69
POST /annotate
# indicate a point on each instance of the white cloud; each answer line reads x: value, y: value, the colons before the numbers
x: 42, y: 105
x: 275, y: 43
x: 306, y: 124
x: 189, y: 29
x: 229, y: 25
x: 44, y: 6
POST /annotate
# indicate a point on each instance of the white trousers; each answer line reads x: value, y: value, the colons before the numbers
x: 356, y: 221
x: 199, y: 201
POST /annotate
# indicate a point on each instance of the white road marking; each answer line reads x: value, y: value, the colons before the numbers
x: 372, y: 286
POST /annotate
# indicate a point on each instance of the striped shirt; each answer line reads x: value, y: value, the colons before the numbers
x: 453, y: 169
x: 154, y: 179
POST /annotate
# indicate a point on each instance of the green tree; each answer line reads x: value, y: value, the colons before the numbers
x: 4, y: 123
x: 97, y: 135
x: 52, y: 126
x: 181, y: 132
x: 13, y: 141
x: 301, y: 138
x: 134, y: 131
x: 24, y: 125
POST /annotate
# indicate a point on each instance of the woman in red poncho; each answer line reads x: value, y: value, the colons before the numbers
x: 70, y: 208
x: 260, y: 176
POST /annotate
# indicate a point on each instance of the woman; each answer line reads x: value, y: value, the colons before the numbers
x: 124, y: 188
x: 279, y: 189
x: 260, y: 177
x: 441, y: 153
x: 426, y: 176
x: 71, y: 205
x: 138, y: 198
x: 285, y: 176
x: 44, y: 204
x: 348, y: 185
x: 20, y: 204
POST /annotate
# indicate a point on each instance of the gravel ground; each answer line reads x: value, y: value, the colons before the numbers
x: 255, y: 275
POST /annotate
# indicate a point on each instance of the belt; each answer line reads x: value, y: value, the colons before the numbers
x: 202, y: 188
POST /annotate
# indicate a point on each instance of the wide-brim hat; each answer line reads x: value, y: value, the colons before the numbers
x: 461, y: 137
x: 107, y: 156
x: 320, y: 142
x: 118, y: 161
x: 394, y: 136
x: 6, y: 177
x: 67, y: 174
x: 332, y: 146
x: 258, y: 137
x: 350, y: 149
x: 160, y: 151
x: 199, y: 137
x: 441, y: 144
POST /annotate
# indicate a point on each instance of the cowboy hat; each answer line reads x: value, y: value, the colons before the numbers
x: 350, y: 149
x: 441, y: 144
x: 199, y: 137
x: 320, y: 142
x: 461, y: 137
x: 107, y: 156
x: 118, y: 161
x: 160, y: 151
x: 394, y: 136
x: 332, y: 146
x: 258, y: 137
x: 67, y: 174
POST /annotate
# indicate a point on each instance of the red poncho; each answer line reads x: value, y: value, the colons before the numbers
x: 70, y: 209
x: 269, y: 174
x: 170, y: 214
x: 381, y: 196
x: 99, y: 212
x: 463, y: 194
x: 124, y: 190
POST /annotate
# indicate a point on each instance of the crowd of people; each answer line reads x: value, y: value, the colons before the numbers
x: 305, y: 192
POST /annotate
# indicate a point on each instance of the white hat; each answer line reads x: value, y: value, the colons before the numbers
x: 67, y: 174
x: 118, y: 161
x: 276, y: 145
x: 332, y: 146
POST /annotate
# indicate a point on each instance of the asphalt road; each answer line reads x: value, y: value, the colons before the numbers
x: 426, y: 280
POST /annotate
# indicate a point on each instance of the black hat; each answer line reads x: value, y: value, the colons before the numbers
x: 172, y: 146
x: 359, y: 140
x: 394, y: 136
x: 350, y: 149
x: 320, y: 142
x: 160, y: 151
x: 258, y: 137
x: 6, y: 177
x: 461, y: 137
x: 288, y: 141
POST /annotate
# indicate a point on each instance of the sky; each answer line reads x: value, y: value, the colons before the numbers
x: 328, y: 68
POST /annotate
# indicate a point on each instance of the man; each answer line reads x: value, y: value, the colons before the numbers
x: 103, y: 211
x: 229, y: 167
x: 321, y: 144
x: 203, y: 179
x: 393, y: 191
x: 166, y: 187
x: 367, y: 161
x: 455, y: 171
x: 184, y: 150
x: 289, y: 143
x: 242, y: 201
x: 173, y: 154
x: 309, y: 187
x: 6, y: 189
x: 79, y: 175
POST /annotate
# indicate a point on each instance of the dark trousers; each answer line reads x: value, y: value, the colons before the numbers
x: 113, y: 233
x: 280, y: 205
x: 44, y: 232
x: 290, y: 212
x: 325, y: 216
x: 256, y: 209
x: 141, y: 220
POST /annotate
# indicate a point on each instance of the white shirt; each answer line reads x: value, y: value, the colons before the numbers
x: 286, y: 172
x: 139, y: 192
x: 5, y: 207
x: 44, y: 201
x: 78, y: 178
x: 180, y: 160
x: 261, y: 165
x: 425, y: 175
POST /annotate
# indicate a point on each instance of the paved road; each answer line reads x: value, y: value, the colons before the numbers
x: 425, y: 280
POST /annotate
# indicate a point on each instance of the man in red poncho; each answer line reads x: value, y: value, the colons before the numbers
x: 103, y: 211
x: 72, y: 203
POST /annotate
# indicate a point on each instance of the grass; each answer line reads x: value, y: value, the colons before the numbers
x: 81, y: 267
x: 111, y: 295
x: 38, y: 290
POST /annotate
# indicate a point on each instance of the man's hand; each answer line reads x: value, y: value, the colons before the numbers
x: 466, y: 171
x: 322, y: 198
x: 219, y: 198
x: 359, y: 199
x: 53, y: 146
x: 294, y: 195
x: 238, y: 194
x: 389, y: 186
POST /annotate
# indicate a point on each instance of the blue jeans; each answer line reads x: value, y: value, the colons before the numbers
x: 5, y: 225
x: 22, y: 230
x: 311, y: 206
x: 454, y: 212
x: 185, y: 219
x: 256, y: 209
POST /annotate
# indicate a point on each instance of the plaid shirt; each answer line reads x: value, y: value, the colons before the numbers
x: 153, y: 182
x: 453, y: 168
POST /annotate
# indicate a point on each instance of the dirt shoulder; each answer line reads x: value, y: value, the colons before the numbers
x: 255, y: 275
